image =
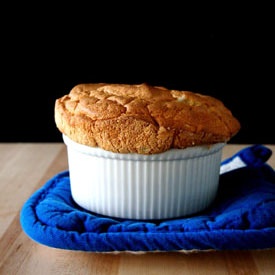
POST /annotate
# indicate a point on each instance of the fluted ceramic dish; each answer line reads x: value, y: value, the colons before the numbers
x: 171, y: 184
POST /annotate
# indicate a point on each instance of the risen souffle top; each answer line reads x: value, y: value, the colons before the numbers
x: 143, y: 119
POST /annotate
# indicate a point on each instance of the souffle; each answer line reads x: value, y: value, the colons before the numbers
x: 142, y: 119
x: 142, y: 151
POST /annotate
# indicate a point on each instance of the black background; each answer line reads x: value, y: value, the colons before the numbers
x: 226, y: 52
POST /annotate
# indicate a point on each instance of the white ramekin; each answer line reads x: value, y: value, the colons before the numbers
x: 175, y: 183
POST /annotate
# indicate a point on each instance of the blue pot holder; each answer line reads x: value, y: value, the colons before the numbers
x: 241, y: 217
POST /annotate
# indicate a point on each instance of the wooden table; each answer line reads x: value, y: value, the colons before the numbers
x: 25, y: 167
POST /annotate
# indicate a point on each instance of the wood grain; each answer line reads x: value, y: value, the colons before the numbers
x: 25, y: 167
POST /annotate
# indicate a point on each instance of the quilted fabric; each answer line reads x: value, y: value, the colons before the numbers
x: 241, y: 217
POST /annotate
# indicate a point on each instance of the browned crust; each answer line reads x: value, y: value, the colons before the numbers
x: 141, y: 118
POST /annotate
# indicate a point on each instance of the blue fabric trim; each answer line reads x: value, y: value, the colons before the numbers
x: 255, y: 155
x: 241, y: 217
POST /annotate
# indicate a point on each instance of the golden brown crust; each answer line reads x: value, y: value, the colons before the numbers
x: 141, y: 118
